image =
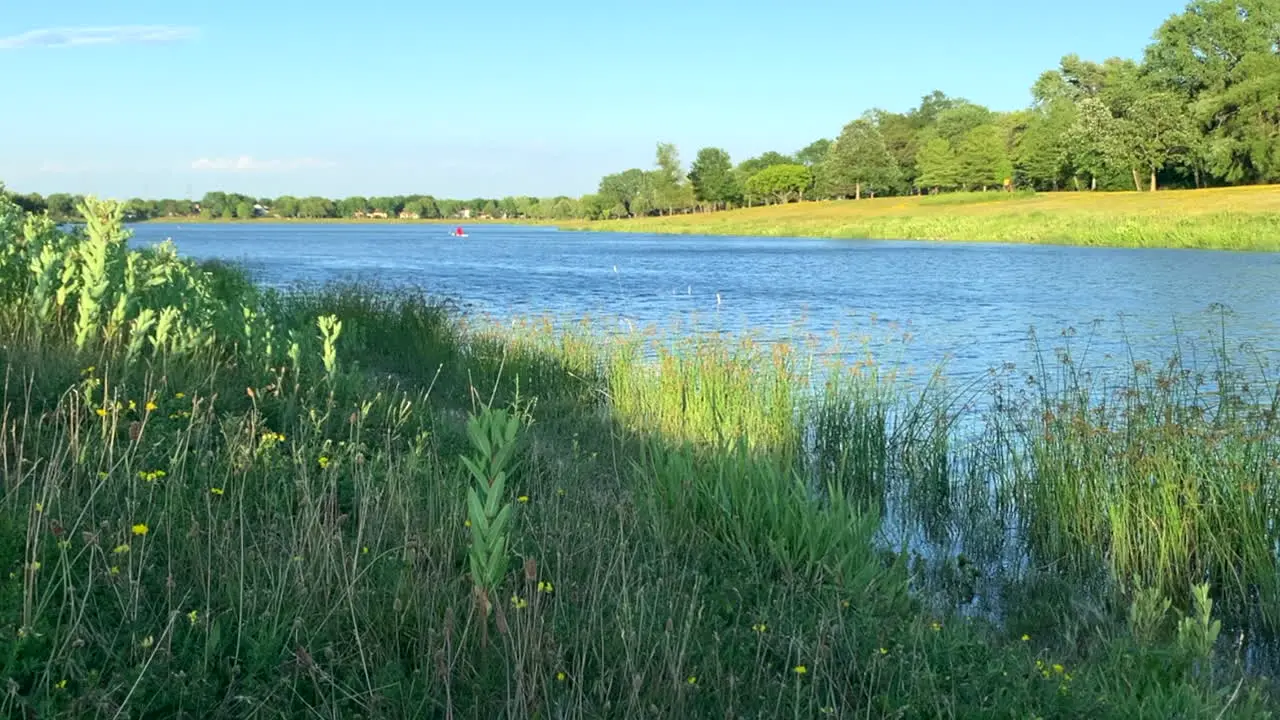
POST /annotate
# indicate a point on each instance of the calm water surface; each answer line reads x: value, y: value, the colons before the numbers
x: 971, y: 306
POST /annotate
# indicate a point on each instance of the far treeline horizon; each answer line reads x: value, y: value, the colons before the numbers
x: 1201, y: 109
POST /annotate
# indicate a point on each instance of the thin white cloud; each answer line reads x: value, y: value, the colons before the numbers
x: 107, y: 35
x: 246, y: 163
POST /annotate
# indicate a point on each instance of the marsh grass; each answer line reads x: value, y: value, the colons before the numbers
x: 1246, y: 218
x: 262, y: 510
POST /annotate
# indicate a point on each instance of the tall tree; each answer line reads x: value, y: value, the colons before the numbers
x: 623, y: 189
x: 1159, y: 131
x: 1223, y: 56
x: 669, y: 188
x: 859, y: 159
x: 1041, y: 152
x: 712, y: 178
x: 937, y: 163
x: 983, y: 157
x: 813, y: 153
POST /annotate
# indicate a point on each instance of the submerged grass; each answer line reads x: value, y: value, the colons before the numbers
x: 220, y: 501
x: 1243, y: 218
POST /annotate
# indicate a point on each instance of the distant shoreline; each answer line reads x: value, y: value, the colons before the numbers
x: 194, y: 220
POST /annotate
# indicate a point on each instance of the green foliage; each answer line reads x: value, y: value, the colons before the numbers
x: 713, y: 178
x: 982, y: 158
x: 494, y: 436
x: 859, y: 159
x: 780, y: 183
x: 937, y: 164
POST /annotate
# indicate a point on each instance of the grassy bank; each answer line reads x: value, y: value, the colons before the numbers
x: 220, y: 501
x: 1243, y: 218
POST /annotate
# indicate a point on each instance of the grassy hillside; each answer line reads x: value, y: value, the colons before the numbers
x: 1244, y: 218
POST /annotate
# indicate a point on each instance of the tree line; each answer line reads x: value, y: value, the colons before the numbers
x: 235, y: 206
x: 1201, y: 108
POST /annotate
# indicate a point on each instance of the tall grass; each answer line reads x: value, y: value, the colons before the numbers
x: 342, y: 503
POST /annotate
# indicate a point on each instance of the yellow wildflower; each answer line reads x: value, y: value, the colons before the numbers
x: 62, y: 685
x: 140, y: 529
x: 518, y: 602
x: 937, y: 627
x: 760, y: 627
x: 115, y: 570
x: 147, y: 641
x: 102, y: 412
x: 133, y: 405
x: 193, y: 617
x: 545, y: 586
x: 1026, y: 638
x: 180, y: 395
x: 39, y: 507
x: 121, y: 549
x: 151, y: 406
x: 801, y: 669
x: 216, y: 490
x: 523, y: 499
x: 883, y: 651
x: 560, y: 677
x: 692, y: 679
x: 324, y: 462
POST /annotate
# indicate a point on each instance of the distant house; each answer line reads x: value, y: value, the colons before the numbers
x: 408, y: 215
x: 465, y: 212
x: 377, y: 214
x: 259, y: 210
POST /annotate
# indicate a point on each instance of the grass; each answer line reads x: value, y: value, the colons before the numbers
x: 1241, y: 218
x: 220, y: 501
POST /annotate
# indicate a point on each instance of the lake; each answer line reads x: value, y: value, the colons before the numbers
x: 970, y: 305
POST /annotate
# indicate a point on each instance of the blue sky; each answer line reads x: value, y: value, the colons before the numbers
x: 161, y: 98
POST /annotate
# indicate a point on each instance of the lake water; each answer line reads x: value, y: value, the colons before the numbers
x: 970, y: 305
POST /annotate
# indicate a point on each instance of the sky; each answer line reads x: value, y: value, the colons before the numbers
x: 156, y: 98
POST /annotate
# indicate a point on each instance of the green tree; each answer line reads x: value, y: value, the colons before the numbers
x: 1159, y: 131
x: 244, y: 210
x: 285, y: 206
x: 1041, y: 152
x: 668, y: 181
x: 622, y: 190
x: 713, y: 178
x: 902, y: 139
x: 814, y: 153
x: 780, y: 183
x: 316, y: 208
x: 957, y: 121
x: 937, y: 164
x: 1094, y: 140
x: 61, y: 206
x: 859, y: 159
x: 983, y: 158
x: 1223, y: 57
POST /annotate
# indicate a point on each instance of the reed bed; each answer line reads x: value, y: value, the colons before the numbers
x: 220, y: 501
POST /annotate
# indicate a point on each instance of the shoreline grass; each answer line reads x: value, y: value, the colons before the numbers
x: 1238, y: 218
x: 219, y: 499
